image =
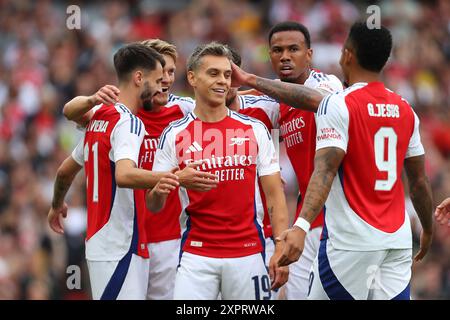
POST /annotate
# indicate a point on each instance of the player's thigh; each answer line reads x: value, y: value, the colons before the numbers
x: 116, y: 280
x: 298, y: 284
x: 164, y: 258
x: 245, y: 278
x: 136, y: 281
x: 342, y: 274
x: 100, y: 273
x: 392, y: 279
x: 197, y: 278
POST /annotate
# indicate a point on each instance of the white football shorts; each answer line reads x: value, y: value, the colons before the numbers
x: 126, y: 279
x: 202, y: 278
x: 360, y: 275
x: 164, y: 258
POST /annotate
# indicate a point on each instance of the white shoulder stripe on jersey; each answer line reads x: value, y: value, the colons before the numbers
x: 323, y: 105
x: 172, y: 125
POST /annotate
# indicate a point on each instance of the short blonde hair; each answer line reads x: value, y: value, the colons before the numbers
x: 162, y: 47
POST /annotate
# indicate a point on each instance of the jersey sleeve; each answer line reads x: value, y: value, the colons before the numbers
x: 330, y: 84
x: 267, y: 162
x: 415, y: 147
x: 267, y: 104
x: 165, y: 156
x: 78, y: 152
x: 127, y: 137
x: 332, y: 121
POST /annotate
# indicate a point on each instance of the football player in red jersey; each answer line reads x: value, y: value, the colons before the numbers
x: 162, y: 230
x: 222, y: 243
x: 116, y: 263
x: 291, y: 55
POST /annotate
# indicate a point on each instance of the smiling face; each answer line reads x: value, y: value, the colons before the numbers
x: 211, y: 80
x: 168, y: 79
x: 290, y: 56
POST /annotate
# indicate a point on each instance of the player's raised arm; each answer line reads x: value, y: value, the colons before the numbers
x: 295, y: 95
x: 79, y: 108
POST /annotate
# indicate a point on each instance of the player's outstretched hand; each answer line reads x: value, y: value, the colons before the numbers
x: 167, y: 183
x: 107, y: 94
x: 196, y: 180
x: 55, y: 216
x: 425, y: 243
x: 442, y: 212
x: 294, y: 243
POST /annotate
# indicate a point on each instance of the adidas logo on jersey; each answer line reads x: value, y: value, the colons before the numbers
x: 194, y: 147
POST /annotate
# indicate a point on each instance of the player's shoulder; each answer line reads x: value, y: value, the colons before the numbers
x: 332, y: 103
x: 180, y: 124
x: 249, y: 101
x: 319, y: 76
x: 177, y: 100
x: 326, y: 82
x: 256, y: 124
x: 399, y: 97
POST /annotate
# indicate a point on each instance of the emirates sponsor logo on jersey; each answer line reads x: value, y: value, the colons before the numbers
x: 223, y: 152
x: 222, y: 162
x: 98, y: 126
x: 292, y: 125
x: 151, y: 143
x: 293, y: 139
x: 227, y: 168
x: 148, y: 153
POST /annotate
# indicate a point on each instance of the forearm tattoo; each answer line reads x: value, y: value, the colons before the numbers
x: 295, y: 95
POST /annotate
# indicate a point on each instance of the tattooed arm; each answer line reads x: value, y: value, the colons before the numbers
x: 295, y: 95
x: 64, y: 178
x: 326, y: 165
x: 420, y: 192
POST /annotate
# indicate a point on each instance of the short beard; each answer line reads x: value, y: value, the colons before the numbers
x: 146, y: 97
x: 147, y: 105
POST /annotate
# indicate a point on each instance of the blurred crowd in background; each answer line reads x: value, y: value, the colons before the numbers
x: 43, y: 64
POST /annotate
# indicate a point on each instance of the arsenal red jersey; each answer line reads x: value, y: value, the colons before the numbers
x: 223, y: 222
x: 112, y: 134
